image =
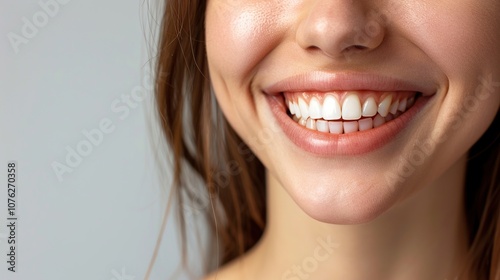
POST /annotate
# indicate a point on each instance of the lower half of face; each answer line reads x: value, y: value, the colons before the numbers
x: 354, y: 107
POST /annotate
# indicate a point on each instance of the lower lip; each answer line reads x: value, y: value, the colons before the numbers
x: 355, y: 143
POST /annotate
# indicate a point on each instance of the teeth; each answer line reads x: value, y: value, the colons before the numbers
x: 402, y: 105
x: 336, y: 127
x: 378, y: 121
x: 350, y: 127
x: 296, y: 110
x: 331, y: 108
x: 315, y: 109
x: 339, y: 127
x: 290, y: 107
x: 322, y: 126
x: 311, y: 124
x: 411, y: 100
x: 369, y: 107
x: 302, y: 122
x: 383, y: 107
x: 346, y: 117
x: 365, y: 124
x: 304, y: 110
x: 394, y: 107
x: 351, y: 108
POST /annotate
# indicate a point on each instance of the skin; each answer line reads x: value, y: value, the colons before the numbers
x: 411, y: 227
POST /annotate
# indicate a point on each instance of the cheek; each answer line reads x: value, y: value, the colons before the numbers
x: 240, y: 35
x: 461, y: 36
x: 462, y: 39
x: 466, y: 114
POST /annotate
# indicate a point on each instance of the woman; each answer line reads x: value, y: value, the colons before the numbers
x: 350, y: 139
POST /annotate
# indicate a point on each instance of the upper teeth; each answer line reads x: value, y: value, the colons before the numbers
x: 351, y: 107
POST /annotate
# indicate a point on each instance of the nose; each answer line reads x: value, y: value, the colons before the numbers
x: 340, y: 27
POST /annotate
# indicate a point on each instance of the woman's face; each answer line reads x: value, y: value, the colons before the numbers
x: 354, y: 105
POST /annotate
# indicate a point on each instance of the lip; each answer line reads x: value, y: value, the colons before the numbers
x: 356, y: 143
x: 325, y: 82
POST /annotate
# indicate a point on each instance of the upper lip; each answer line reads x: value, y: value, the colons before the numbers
x: 328, y: 82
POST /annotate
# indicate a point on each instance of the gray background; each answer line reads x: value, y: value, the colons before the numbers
x: 101, y: 220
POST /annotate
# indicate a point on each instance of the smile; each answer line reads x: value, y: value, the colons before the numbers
x: 347, y: 112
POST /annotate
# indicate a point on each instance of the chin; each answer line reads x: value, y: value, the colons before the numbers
x: 348, y: 202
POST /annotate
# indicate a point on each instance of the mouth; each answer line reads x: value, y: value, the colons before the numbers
x: 345, y: 122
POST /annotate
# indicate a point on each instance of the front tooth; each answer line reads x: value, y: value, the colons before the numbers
x: 350, y: 127
x: 311, y: 124
x: 402, y: 105
x: 315, y: 109
x: 304, y: 110
x: 322, y: 126
x: 296, y: 109
x: 351, y: 108
x: 336, y: 127
x: 383, y: 107
x: 369, y: 107
x: 331, y: 108
x: 394, y: 107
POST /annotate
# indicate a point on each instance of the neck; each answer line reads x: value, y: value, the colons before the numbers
x: 423, y: 237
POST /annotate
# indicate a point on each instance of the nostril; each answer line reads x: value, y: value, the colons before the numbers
x: 359, y: 47
x: 313, y: 48
x: 356, y: 47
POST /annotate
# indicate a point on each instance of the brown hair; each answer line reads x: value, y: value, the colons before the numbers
x: 203, y: 144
